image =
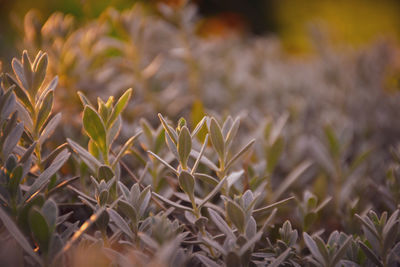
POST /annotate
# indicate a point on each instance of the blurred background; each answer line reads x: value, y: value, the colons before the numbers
x: 354, y: 22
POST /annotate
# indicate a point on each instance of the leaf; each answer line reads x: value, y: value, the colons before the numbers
x: 19, y: 73
x: 171, y: 133
x: 171, y: 203
x: 198, y: 127
x: 251, y: 242
x: 12, y: 139
x: 184, y: 146
x: 121, y: 224
x: 274, y: 152
x: 40, y: 229
x: 213, y: 192
x: 279, y: 260
x: 84, y: 100
x: 105, y: 173
x: 40, y: 72
x: 15, y: 179
x: 45, y: 176
x: 119, y: 106
x: 44, y: 110
x: 128, y: 211
x: 164, y: 162
x: 370, y: 254
x: 95, y: 128
x: 21, y: 93
x: 312, y: 246
x: 125, y: 148
x: 232, y: 133
x: 236, y: 215
x: 89, y: 160
x: 217, y: 139
x: 144, y: 200
x: 341, y: 251
x: 240, y: 153
x: 273, y: 205
x: 206, y: 261
x: 84, y: 227
x: 18, y: 236
x: 291, y: 178
x: 50, y: 212
x: 203, y: 148
x: 221, y: 224
x: 186, y: 182
x: 206, y: 178
x: 204, y: 160
x: 49, y: 129
x: 26, y: 63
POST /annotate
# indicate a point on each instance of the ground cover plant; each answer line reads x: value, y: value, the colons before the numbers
x: 215, y: 157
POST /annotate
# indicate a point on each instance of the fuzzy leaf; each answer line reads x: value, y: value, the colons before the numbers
x: 95, y: 128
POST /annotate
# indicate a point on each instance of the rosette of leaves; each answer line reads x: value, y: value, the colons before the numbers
x: 133, y: 206
x: 381, y: 245
x: 330, y: 253
x: 283, y: 252
x: 102, y: 126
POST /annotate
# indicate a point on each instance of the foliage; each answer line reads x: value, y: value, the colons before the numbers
x: 134, y: 188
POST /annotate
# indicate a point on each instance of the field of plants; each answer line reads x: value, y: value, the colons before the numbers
x: 132, y: 139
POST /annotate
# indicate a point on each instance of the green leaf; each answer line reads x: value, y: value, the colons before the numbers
x: 40, y: 229
x: 95, y: 128
x: 105, y: 173
x: 125, y: 148
x: 239, y: 154
x: 341, y: 251
x: 128, y: 211
x: 21, y: 93
x: 171, y: 132
x: 370, y: 254
x: 171, y: 203
x: 19, y: 73
x: 279, y: 260
x: 84, y: 100
x: 15, y: 179
x: 49, y: 129
x: 184, y: 146
x: 40, y: 72
x: 121, y: 224
x: 119, y: 106
x: 213, y: 192
x: 19, y: 237
x: 312, y: 246
x: 44, y: 110
x: 291, y: 178
x: 50, y: 212
x: 45, y: 176
x: 26, y: 63
x: 236, y: 215
x: 12, y: 139
x: 186, y: 182
x: 217, y: 139
x: 221, y: 224
x: 232, y: 133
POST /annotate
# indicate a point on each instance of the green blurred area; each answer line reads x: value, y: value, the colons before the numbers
x: 353, y: 22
